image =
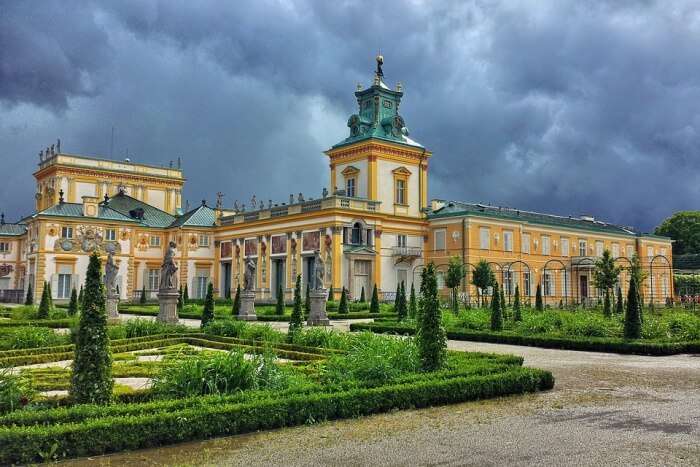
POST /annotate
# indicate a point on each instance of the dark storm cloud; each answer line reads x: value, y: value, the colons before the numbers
x: 565, y: 107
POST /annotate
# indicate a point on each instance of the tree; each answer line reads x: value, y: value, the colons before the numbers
x: 431, y: 338
x: 330, y: 293
x: 186, y: 296
x: 227, y: 296
x: 208, y: 310
x: 343, y: 306
x: 374, y: 303
x: 307, y: 300
x: 483, y: 278
x: 412, y: 304
x: 455, y: 274
x: 81, y: 297
x: 397, y: 303
x: 633, y: 322
x: 279, y: 307
x: 142, y: 299
x: 504, y: 311
x: 619, y: 307
x: 362, y: 295
x: 73, y: 304
x: 517, y: 312
x: 496, y: 310
x: 180, y: 301
x: 49, y: 295
x: 30, y: 295
x: 91, y: 380
x: 639, y: 275
x: 296, y: 322
x: 539, y: 305
x: 684, y: 228
x: 605, y: 277
x: 403, y: 306
x: 44, y: 305
x: 236, y: 307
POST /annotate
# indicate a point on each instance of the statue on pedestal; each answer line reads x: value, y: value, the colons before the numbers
x: 319, y: 271
x: 168, y: 280
x: 111, y: 270
x: 249, y: 276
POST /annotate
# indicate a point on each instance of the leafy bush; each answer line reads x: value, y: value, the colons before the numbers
x: 145, y: 327
x: 220, y: 373
x: 326, y: 338
x: 27, y: 337
x: 15, y: 391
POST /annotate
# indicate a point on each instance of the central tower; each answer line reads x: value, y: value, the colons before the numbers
x: 378, y: 161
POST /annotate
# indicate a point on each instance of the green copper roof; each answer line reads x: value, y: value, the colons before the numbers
x: 378, y: 115
x: 76, y: 210
x: 456, y: 208
x: 128, y: 206
x: 12, y: 230
x: 202, y: 216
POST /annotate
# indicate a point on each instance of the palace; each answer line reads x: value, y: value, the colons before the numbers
x: 373, y: 225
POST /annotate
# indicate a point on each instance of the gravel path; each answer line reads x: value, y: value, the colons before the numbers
x: 605, y: 409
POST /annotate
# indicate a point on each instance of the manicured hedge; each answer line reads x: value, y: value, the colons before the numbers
x: 592, y: 344
x: 46, y: 323
x: 26, y: 444
x: 264, y: 318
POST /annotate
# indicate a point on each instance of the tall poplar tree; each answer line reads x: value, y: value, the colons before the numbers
x: 496, y: 310
x: 431, y: 338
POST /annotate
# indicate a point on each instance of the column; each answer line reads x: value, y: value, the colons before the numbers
x: 377, y: 273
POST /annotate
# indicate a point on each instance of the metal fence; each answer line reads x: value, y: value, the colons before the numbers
x: 12, y: 296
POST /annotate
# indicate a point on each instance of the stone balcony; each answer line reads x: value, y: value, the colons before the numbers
x: 330, y: 202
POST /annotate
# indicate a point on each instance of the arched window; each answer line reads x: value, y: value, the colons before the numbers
x: 356, y: 237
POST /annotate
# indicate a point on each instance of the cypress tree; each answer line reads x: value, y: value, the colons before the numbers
x: 412, y: 304
x: 49, y: 295
x: 186, y: 296
x: 208, y: 311
x: 607, y: 306
x: 496, y: 310
x: 374, y: 304
x: 43, y: 312
x: 307, y: 300
x: 431, y: 338
x: 180, y: 302
x: 397, y: 303
x: 236, y: 307
x: 362, y: 295
x: 227, y: 296
x: 142, y: 299
x: 619, y: 307
x: 296, y: 323
x: 504, y: 310
x: 343, y: 307
x: 539, y: 305
x: 279, y: 307
x: 330, y: 293
x: 81, y: 297
x: 633, y: 322
x: 403, y: 308
x: 73, y: 304
x: 517, y: 312
x: 30, y: 295
x: 91, y: 381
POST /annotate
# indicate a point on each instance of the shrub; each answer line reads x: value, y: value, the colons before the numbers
x: 307, y: 300
x: 81, y: 297
x: 279, y: 306
x: 296, y: 323
x: 619, y: 307
x: 517, y: 312
x: 374, y: 304
x: 432, y: 343
x: 91, y: 381
x: 362, y: 295
x: 208, y: 311
x: 412, y: 303
x: 30, y: 295
x: 15, y: 390
x: 144, y: 327
x: 44, y: 305
x: 27, y: 337
x: 180, y: 301
x: 320, y: 337
x: 539, y: 305
x: 236, y: 307
x: 343, y: 307
x: 402, y: 308
x: 496, y: 309
x: 633, y: 323
x: 185, y: 296
x: 73, y: 304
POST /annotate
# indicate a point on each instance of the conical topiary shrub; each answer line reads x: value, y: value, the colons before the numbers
x: 29, y: 300
x: 44, y: 305
x: 343, y: 306
x: 208, y: 310
x: 279, y: 306
x: 431, y: 338
x: 412, y: 304
x: 633, y: 322
x: 73, y: 304
x: 296, y: 322
x: 362, y: 295
x: 374, y: 303
x: 539, y: 304
x: 496, y: 310
x: 517, y: 312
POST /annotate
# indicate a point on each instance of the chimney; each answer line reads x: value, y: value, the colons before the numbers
x: 90, y: 206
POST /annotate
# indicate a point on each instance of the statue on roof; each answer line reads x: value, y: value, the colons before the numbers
x: 380, y: 62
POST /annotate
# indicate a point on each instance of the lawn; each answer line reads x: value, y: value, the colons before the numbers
x: 231, y: 378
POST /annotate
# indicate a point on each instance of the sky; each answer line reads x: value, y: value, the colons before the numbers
x: 568, y: 107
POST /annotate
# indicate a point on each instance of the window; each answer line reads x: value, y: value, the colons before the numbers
x: 110, y: 235
x: 545, y: 245
x: 440, y: 239
x: 507, y: 240
x: 564, y: 246
x: 64, y: 286
x: 440, y: 279
x: 664, y: 285
x: 630, y: 251
x: 526, y: 243
x: 356, y: 237
x: 401, y: 241
x: 484, y: 237
x: 599, y: 248
x: 350, y: 187
x: 153, y: 279
x: 4, y: 247
x: 400, y: 197
x: 201, y: 282
x: 204, y: 240
x: 526, y: 283
x: 615, y: 250
x: 66, y: 232
x: 663, y: 252
x: 650, y: 251
x: 154, y: 241
x: 547, y: 283
x: 508, y: 282
x: 582, y: 247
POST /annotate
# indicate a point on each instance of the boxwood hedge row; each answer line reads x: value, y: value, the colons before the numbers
x: 591, y: 344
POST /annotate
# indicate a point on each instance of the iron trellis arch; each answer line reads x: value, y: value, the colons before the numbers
x: 651, y: 274
x: 582, y: 263
x: 545, y: 268
x: 509, y: 269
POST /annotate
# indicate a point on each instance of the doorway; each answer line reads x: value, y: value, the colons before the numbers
x: 278, y: 276
x: 583, y: 281
x: 226, y: 279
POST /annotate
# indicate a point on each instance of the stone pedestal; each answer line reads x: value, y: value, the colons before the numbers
x: 317, y: 313
x: 167, y: 299
x: 112, y: 307
x: 247, y: 311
